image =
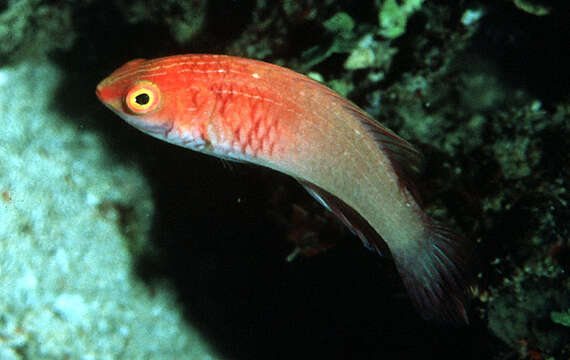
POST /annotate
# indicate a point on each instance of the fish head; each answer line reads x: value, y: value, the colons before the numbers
x: 161, y: 98
x: 138, y: 97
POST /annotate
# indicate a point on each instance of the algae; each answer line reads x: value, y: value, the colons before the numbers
x: 562, y: 318
x: 393, y: 16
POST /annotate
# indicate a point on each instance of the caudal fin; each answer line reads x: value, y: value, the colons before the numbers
x: 433, y: 267
x: 434, y: 272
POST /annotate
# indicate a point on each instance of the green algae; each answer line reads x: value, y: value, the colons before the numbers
x: 393, y: 16
x: 562, y: 318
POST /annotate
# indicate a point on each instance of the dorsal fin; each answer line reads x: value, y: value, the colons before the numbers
x: 405, y: 159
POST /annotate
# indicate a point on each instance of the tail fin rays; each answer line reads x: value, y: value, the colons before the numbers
x: 433, y: 268
x: 434, y: 272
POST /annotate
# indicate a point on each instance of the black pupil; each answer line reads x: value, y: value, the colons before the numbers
x: 142, y: 99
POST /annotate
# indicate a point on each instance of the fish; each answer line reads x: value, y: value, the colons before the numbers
x: 251, y: 111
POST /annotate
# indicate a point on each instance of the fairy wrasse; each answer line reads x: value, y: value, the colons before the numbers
x: 251, y: 111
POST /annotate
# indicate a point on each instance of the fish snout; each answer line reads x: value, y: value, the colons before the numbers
x: 99, y: 90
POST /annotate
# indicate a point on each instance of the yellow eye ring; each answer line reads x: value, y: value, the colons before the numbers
x: 142, y: 98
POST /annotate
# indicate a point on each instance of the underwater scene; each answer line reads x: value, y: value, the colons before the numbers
x: 254, y: 179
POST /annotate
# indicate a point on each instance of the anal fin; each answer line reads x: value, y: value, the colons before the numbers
x: 348, y: 216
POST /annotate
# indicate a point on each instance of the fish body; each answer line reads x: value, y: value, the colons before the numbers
x: 251, y: 111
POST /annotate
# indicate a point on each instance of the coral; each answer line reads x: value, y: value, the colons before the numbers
x: 31, y: 28
x: 34, y: 28
x: 183, y: 18
x: 69, y: 211
x: 520, y: 315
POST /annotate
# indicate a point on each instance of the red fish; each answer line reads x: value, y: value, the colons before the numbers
x: 251, y: 111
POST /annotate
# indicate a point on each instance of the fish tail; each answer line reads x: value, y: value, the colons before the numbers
x: 434, y: 272
x: 433, y: 266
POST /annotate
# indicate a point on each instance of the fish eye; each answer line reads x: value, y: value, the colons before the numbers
x: 142, y: 98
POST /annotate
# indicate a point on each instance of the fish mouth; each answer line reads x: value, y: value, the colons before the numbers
x: 99, y: 90
x: 102, y: 91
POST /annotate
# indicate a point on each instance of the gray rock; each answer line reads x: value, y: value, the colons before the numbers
x: 66, y: 283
